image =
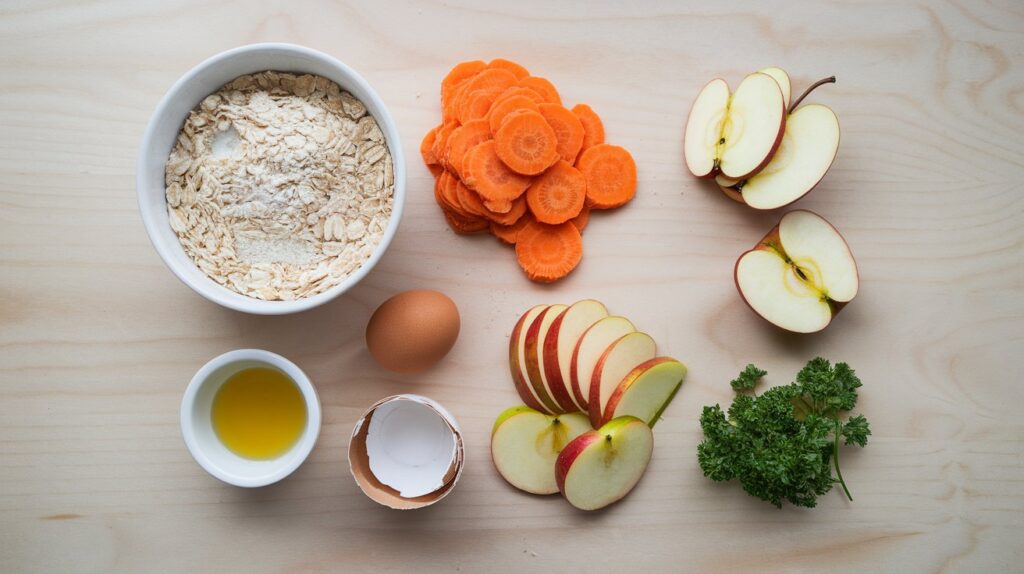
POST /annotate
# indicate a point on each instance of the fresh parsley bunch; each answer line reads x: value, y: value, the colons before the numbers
x: 784, y: 443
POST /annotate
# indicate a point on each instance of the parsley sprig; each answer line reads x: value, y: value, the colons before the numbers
x: 783, y: 443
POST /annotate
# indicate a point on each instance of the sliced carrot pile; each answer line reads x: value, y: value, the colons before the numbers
x: 548, y: 252
x: 558, y: 194
x: 611, y: 175
x: 509, y: 158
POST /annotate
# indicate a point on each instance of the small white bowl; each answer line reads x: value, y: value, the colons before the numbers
x: 210, y: 452
x: 162, y: 132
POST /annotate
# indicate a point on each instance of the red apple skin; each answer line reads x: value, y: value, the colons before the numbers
x: 569, y: 454
x: 517, y: 373
x: 772, y: 240
x: 552, y: 370
x: 574, y: 376
x: 613, y: 401
x: 595, y: 387
x: 533, y: 365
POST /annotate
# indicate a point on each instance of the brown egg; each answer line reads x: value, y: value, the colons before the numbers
x: 412, y: 331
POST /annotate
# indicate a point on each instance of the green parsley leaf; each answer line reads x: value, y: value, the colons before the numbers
x: 782, y: 445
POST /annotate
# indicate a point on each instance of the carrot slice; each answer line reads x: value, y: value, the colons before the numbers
x: 548, y: 252
x: 509, y: 233
x: 526, y: 143
x: 427, y: 146
x: 581, y: 220
x: 444, y: 193
x: 516, y: 210
x: 518, y: 71
x: 465, y: 225
x: 557, y: 195
x: 503, y: 107
x: 462, y: 139
x: 459, y: 73
x: 492, y: 79
x: 611, y: 175
x: 490, y: 177
x: 469, y: 200
x: 593, y: 127
x: 477, y: 105
x: 543, y: 87
x: 520, y: 91
x: 568, y: 130
x: 440, y: 146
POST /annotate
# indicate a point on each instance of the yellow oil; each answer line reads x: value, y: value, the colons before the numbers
x: 259, y: 413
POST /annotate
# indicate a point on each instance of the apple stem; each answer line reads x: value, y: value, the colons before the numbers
x: 828, y: 80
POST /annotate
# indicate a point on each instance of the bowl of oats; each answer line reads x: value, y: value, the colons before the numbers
x: 271, y: 178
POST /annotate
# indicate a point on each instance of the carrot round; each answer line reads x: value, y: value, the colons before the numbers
x: 518, y: 71
x: 463, y: 138
x: 509, y: 233
x: 440, y: 146
x: 548, y: 252
x: 465, y: 225
x: 610, y: 173
x: 568, y: 130
x: 460, y: 72
x: 581, y: 220
x: 490, y: 177
x: 543, y: 87
x: 469, y: 200
x: 520, y: 91
x: 503, y: 107
x: 593, y: 127
x: 427, y: 146
x: 477, y: 104
x: 557, y: 195
x: 515, y: 212
x: 526, y: 143
x: 492, y: 79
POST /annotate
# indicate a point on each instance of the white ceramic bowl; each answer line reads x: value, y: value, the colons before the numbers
x: 162, y: 132
x: 210, y: 452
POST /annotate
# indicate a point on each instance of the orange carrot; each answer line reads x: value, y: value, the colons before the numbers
x: 520, y: 91
x: 463, y: 138
x: 581, y: 220
x: 557, y: 195
x: 548, y: 252
x: 543, y: 87
x: 469, y: 200
x: 568, y: 130
x: 526, y: 143
x: 490, y: 177
x: 611, y: 175
x: 477, y: 104
x: 462, y: 71
x: 492, y: 79
x: 509, y: 233
x: 516, y: 211
x: 503, y: 107
x: 465, y: 225
x: 440, y: 146
x: 593, y: 128
x: 518, y: 71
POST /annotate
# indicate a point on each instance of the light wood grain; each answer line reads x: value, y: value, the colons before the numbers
x: 98, y: 339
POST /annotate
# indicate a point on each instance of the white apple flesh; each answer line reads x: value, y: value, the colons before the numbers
x: 734, y: 134
x: 592, y: 344
x: 646, y: 391
x: 800, y: 275
x: 782, y: 78
x: 615, y: 363
x: 525, y: 444
x: 602, y: 466
x: 560, y: 343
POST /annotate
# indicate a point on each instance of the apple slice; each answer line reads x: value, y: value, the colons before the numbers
x: 525, y: 444
x: 517, y: 359
x: 533, y: 345
x: 800, y: 275
x: 618, y: 360
x: 601, y: 466
x: 560, y: 343
x: 735, y: 134
x: 646, y: 391
x: 782, y: 78
x: 593, y: 342
x: 808, y: 148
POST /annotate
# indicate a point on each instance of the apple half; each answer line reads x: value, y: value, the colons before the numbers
x: 602, y: 466
x: 800, y: 275
x: 517, y: 359
x: 617, y: 361
x: 525, y: 444
x: 735, y: 134
x: 560, y: 343
x: 592, y: 344
x: 646, y: 391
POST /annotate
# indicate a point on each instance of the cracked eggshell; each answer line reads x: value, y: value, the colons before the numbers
x: 406, y: 452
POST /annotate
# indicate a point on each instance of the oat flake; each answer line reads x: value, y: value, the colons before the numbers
x: 279, y: 185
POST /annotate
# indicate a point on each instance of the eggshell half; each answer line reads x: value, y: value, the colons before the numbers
x: 406, y: 452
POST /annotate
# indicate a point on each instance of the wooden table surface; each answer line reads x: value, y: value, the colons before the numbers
x: 98, y: 339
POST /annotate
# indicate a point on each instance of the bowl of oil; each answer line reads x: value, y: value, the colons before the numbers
x: 250, y: 417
